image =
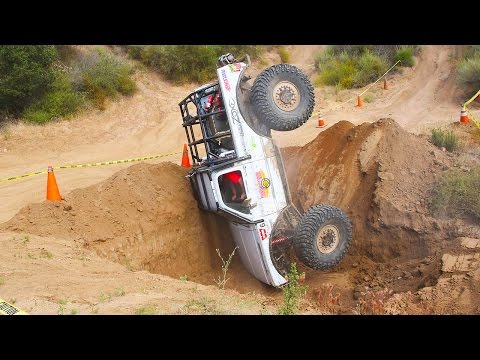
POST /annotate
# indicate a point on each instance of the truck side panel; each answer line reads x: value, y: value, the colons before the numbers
x: 254, y: 248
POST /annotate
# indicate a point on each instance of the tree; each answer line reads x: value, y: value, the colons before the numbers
x: 25, y: 74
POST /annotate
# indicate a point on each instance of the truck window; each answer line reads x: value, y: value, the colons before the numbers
x: 233, y: 191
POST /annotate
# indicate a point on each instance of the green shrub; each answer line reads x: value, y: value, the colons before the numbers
x: 284, y: 54
x: 339, y: 70
x: 347, y: 71
x: 25, y: 74
x: 183, y: 63
x: 457, y: 194
x: 135, y: 51
x: 451, y: 141
x: 405, y: 55
x: 292, y: 292
x: 446, y: 139
x: 104, y: 75
x: 368, y: 98
x: 471, y: 51
x: 67, y: 53
x: 60, y: 101
x: 438, y: 137
x: 468, y: 71
x: 369, y: 68
x: 357, y: 65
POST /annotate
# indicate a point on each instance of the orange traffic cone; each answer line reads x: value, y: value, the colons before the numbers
x: 321, y: 122
x: 359, y: 102
x: 385, y: 86
x: 463, y: 115
x: 52, y: 188
x: 185, y: 158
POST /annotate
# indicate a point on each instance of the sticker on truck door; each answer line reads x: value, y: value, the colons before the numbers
x: 263, y: 231
x: 263, y: 184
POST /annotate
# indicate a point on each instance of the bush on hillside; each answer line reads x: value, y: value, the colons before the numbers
x: 405, y: 55
x: 60, y: 100
x: 468, y: 71
x: 183, y: 63
x: 103, y: 75
x: 369, y: 68
x: 457, y: 194
x: 348, y: 66
x: 284, y: 54
x: 346, y: 70
x: 25, y: 74
x: 446, y: 139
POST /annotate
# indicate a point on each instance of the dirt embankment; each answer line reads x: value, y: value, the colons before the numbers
x: 144, y: 217
x: 381, y: 176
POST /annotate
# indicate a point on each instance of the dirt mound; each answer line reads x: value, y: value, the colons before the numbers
x: 381, y: 176
x: 144, y: 217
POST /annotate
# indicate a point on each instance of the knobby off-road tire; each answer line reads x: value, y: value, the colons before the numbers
x: 323, y: 236
x: 282, y: 97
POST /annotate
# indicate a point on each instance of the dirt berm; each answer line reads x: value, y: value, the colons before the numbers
x: 145, y: 216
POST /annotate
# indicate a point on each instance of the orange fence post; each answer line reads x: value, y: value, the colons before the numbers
x: 359, y: 101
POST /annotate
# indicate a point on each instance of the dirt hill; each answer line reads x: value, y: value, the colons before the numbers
x: 144, y: 217
x: 381, y: 176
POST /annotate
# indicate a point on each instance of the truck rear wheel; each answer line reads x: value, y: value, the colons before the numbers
x: 323, y: 236
x: 282, y: 97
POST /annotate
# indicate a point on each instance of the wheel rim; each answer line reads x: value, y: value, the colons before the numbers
x: 327, y: 239
x: 286, y: 96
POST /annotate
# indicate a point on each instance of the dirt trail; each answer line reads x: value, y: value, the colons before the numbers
x: 420, y: 98
x: 303, y: 56
x: 54, y: 275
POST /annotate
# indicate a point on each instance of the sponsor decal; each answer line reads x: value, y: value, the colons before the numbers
x: 263, y: 233
x: 253, y: 144
x: 234, y: 115
x: 263, y: 183
x: 225, y: 80
x: 233, y: 111
x: 235, y: 67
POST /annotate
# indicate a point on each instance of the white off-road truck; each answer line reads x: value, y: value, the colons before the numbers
x: 238, y: 172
